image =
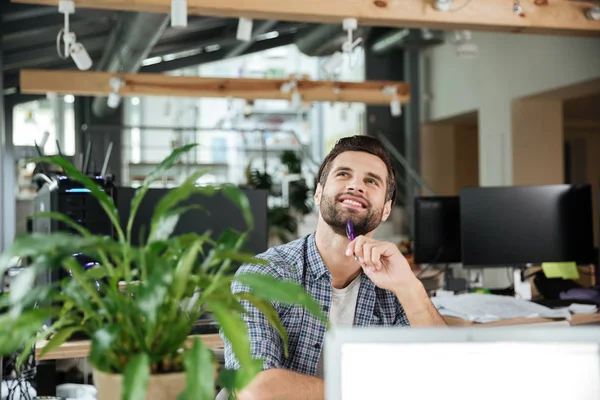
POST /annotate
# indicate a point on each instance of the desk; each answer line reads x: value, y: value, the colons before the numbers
x: 46, y: 370
x: 576, y: 319
x: 81, y: 348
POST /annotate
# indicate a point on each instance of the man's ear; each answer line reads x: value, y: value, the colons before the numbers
x: 318, y: 193
x: 387, y: 210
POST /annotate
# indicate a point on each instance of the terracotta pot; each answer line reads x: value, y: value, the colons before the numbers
x: 160, y: 387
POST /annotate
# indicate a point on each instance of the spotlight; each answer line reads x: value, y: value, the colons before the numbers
x: 80, y: 56
x: 333, y: 63
x: 395, y: 106
x: 179, y: 13
x: 72, y: 49
x: 114, y: 98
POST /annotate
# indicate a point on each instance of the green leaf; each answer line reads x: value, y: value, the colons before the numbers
x: 235, y: 330
x: 184, y: 270
x: 239, y: 198
x: 267, y: 309
x: 200, y: 372
x: 164, y: 166
x: 136, y: 377
x: 227, y: 379
x: 163, y: 226
x: 151, y: 295
x: 240, y: 257
x: 56, y: 246
x: 59, y: 338
x: 15, y: 332
x: 105, y: 344
x: 267, y: 287
x: 176, y: 195
x: 64, y: 219
x: 96, y: 273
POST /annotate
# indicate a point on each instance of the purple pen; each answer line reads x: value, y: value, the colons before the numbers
x: 350, y: 233
x: 350, y: 230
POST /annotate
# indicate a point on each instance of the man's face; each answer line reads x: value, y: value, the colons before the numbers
x: 354, y: 189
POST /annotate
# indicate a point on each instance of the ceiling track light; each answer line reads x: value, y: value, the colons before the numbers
x: 296, y: 97
x: 335, y: 61
x: 395, y: 106
x: 179, y: 14
x: 72, y: 49
x: 114, y: 98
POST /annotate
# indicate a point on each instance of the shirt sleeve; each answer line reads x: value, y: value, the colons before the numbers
x: 265, y: 342
x: 401, y: 318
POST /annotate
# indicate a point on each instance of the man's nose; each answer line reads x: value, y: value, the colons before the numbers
x: 356, y: 186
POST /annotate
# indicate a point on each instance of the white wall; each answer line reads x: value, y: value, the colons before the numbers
x: 507, y: 67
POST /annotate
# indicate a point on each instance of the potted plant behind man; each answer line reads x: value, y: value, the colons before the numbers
x: 138, y: 305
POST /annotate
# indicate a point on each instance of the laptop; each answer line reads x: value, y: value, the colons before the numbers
x: 527, y: 362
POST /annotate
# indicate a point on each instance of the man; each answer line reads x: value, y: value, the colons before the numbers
x: 377, y: 288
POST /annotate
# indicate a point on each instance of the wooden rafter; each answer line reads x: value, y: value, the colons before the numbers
x: 539, y: 16
x: 90, y: 83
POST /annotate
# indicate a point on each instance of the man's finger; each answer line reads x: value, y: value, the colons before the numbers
x: 376, y: 256
x: 358, y: 246
x: 367, y: 254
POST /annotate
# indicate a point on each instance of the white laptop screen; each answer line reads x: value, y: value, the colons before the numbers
x: 504, y: 370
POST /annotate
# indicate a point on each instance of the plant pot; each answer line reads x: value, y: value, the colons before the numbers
x: 160, y: 386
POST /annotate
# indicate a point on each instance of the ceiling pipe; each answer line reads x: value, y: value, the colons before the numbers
x: 405, y: 38
x: 129, y: 44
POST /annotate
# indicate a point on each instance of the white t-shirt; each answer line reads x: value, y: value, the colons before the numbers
x: 341, y: 312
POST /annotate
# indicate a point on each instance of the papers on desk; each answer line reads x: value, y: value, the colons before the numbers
x: 484, y: 308
x: 581, y: 308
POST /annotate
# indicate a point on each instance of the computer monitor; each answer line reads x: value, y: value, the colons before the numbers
x: 519, y: 225
x: 437, y: 230
x: 219, y: 214
x: 524, y: 362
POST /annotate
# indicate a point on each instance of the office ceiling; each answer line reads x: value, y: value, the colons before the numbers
x: 29, y: 35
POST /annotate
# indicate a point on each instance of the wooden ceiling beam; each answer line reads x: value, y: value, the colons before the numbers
x: 538, y: 16
x: 92, y: 83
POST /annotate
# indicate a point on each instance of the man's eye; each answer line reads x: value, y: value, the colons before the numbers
x: 343, y: 174
x: 372, y: 181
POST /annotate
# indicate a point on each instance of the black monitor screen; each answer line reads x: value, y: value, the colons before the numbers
x: 518, y: 225
x: 218, y: 215
x: 437, y: 230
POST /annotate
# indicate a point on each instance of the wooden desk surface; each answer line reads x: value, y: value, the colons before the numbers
x: 81, y: 348
x: 576, y: 319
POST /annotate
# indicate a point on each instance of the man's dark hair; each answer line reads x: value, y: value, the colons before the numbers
x: 366, y: 144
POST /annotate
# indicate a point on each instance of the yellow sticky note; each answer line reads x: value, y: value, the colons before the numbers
x: 564, y: 270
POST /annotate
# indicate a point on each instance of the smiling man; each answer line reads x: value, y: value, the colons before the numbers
x: 363, y: 282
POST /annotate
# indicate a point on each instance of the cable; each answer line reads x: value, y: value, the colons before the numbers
x: 430, y: 264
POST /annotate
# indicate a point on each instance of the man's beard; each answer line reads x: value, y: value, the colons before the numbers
x: 337, y: 216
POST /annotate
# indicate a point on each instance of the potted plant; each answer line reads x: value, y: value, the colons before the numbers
x: 139, y: 303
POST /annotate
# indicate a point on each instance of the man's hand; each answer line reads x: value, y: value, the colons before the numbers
x: 382, y: 262
x: 385, y: 265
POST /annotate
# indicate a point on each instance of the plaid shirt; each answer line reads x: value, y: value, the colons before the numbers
x: 375, y: 307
